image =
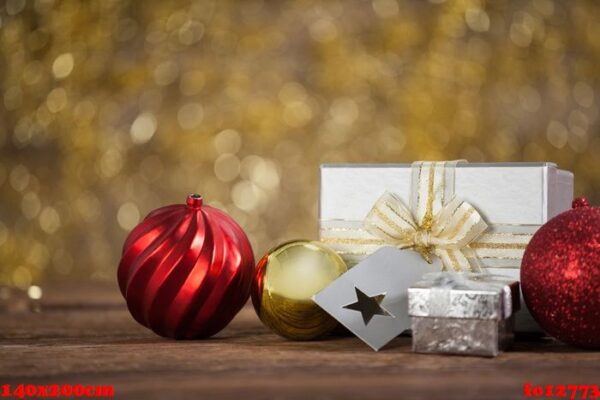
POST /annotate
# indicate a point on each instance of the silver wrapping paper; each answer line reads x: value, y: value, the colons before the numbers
x: 463, y: 295
x: 478, y: 337
x: 463, y: 313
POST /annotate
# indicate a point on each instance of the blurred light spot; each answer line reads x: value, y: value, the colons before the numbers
x: 227, y: 167
x: 473, y: 153
x: 545, y: 7
x: 529, y: 99
x: 44, y: 117
x: 452, y: 25
x: 521, y: 30
x: 38, y: 255
x: 21, y: 277
x: 557, y: 134
x: 578, y: 119
x: 84, y: 111
x: 33, y: 73
x: 245, y: 195
x: 30, y: 205
x: 143, y: 128
x: 249, y: 163
x: 392, y: 140
x: 49, y: 220
x: 155, y: 35
x: 111, y: 163
x: 13, y: 7
x: 583, y: 94
x: 323, y: 30
x: 386, y: 8
x: 190, y: 32
x: 264, y: 173
x: 13, y: 98
x: 578, y: 141
x: 297, y: 114
x: 228, y: 141
x: 2, y: 174
x: 292, y: 91
x: 34, y: 292
x: 477, y: 19
x: 57, y: 100
x: 63, y: 65
x: 176, y: 19
x: 23, y: 132
x: 128, y: 216
x: 190, y: 115
x: 344, y: 111
x: 19, y: 178
x: 3, y: 233
x: 166, y: 73
x: 88, y: 206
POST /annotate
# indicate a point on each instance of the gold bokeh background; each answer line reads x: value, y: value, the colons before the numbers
x: 111, y: 108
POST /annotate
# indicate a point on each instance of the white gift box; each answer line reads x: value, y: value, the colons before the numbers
x: 514, y: 195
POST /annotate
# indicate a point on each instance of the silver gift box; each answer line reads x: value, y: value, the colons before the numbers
x: 463, y: 313
x: 508, y: 194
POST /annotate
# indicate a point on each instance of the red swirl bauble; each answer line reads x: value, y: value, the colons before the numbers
x: 186, y: 270
x: 560, y: 276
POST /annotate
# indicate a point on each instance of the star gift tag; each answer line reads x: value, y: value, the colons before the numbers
x: 371, y: 299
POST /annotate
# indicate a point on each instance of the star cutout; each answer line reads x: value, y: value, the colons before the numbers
x: 368, y: 306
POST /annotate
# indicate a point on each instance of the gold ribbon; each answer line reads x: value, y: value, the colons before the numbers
x: 438, y: 223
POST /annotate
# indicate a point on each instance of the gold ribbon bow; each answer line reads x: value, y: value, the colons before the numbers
x: 435, y: 226
x: 446, y: 234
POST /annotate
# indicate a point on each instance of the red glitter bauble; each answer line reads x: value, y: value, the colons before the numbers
x: 560, y: 276
x: 186, y: 270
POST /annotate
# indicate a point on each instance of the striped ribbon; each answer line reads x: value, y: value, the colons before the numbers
x: 437, y: 223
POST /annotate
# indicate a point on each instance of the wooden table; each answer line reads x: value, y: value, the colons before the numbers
x: 84, y: 334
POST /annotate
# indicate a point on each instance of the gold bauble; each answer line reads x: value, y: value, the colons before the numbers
x: 286, y: 279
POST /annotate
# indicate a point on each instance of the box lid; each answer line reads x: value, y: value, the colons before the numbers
x: 503, y: 193
x: 464, y: 295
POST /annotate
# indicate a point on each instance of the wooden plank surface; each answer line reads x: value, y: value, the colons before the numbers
x: 84, y: 334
